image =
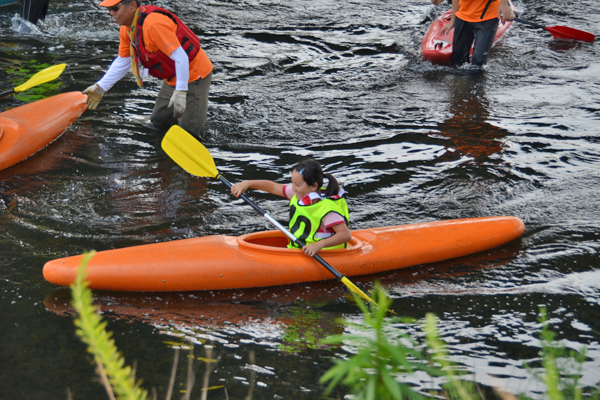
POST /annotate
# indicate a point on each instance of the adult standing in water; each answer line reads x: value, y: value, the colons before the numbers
x: 475, y: 23
x: 155, y: 41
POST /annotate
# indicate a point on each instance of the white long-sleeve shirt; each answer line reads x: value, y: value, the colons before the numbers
x: 121, y: 65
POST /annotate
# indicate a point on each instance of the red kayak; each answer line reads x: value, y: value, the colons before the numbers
x: 27, y: 129
x: 437, y: 48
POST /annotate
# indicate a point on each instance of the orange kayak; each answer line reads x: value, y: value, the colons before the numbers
x: 27, y: 129
x: 261, y: 259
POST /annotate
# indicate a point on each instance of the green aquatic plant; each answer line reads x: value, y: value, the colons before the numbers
x: 384, y: 352
x: 116, y: 377
x: 456, y: 388
x: 384, y: 355
x: 561, y: 368
x: 23, y: 73
x: 305, y: 325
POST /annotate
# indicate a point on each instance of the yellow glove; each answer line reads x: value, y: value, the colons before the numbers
x: 177, y: 103
x: 94, y: 94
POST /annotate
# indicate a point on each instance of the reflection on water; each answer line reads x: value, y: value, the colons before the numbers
x: 410, y: 141
x: 468, y: 128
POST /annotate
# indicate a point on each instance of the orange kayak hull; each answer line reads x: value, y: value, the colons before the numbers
x: 260, y: 259
x: 27, y: 129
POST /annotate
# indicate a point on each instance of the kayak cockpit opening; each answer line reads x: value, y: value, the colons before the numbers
x: 277, y: 241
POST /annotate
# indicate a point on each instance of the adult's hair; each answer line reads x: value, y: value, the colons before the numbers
x: 312, y: 172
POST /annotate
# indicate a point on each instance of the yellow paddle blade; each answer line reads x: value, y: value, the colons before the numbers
x: 189, y: 153
x: 356, y: 290
x: 45, y: 75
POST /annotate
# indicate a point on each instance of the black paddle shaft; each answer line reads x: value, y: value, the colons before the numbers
x: 529, y: 23
x: 270, y: 219
x: 6, y: 93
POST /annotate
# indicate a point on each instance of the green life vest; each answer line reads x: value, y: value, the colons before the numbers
x: 305, y: 220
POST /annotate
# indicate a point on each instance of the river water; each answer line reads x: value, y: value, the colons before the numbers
x: 411, y: 142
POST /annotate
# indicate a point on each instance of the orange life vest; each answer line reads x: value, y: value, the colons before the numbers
x: 158, y: 63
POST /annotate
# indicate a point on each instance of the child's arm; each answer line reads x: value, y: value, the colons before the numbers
x: 342, y: 235
x: 264, y: 185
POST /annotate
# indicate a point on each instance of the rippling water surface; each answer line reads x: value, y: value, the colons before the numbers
x: 411, y: 142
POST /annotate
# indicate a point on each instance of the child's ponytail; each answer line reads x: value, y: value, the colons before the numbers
x: 333, y: 188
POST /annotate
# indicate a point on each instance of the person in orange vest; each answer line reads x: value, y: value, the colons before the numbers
x: 475, y: 23
x: 154, y: 41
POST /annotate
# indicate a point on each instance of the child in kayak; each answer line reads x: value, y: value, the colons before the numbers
x: 318, y: 216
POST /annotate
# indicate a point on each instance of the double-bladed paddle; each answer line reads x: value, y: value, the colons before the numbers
x: 193, y: 157
x: 43, y: 76
x: 562, y: 32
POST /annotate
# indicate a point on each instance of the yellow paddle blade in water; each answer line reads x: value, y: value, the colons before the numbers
x: 45, y: 75
x: 356, y: 290
x: 189, y: 153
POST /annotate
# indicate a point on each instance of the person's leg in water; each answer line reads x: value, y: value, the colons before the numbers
x: 162, y: 116
x: 462, y: 42
x: 34, y: 10
x: 484, y: 33
x: 193, y: 119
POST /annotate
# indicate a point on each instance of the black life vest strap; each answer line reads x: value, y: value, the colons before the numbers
x: 486, y: 8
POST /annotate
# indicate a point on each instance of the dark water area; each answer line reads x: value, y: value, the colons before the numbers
x: 411, y: 142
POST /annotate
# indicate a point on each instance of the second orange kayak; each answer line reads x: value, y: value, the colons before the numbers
x: 261, y: 259
x: 27, y: 129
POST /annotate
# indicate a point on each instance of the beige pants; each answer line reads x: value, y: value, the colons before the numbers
x: 193, y: 119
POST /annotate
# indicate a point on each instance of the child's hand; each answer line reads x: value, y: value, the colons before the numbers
x: 312, y: 249
x: 239, y: 188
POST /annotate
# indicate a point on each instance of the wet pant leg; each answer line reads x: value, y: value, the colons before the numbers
x: 461, y: 42
x: 479, y: 35
x: 193, y: 119
x: 485, y: 32
x: 162, y: 117
x: 34, y: 10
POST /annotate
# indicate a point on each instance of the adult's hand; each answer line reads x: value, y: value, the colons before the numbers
x: 448, y: 26
x: 94, y: 94
x: 177, y: 103
x: 505, y: 12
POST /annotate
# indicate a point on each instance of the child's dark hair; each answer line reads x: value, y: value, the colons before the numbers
x: 312, y: 173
